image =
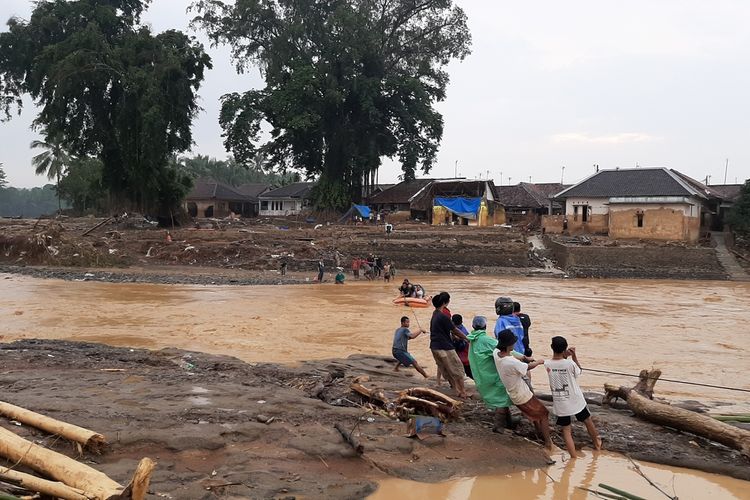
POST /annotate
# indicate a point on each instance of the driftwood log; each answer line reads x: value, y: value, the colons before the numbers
x: 94, y: 484
x: 350, y: 438
x: 88, y: 439
x: 54, y: 489
x: 639, y: 399
x: 417, y: 399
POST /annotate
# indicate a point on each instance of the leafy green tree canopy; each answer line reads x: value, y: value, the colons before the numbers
x: 110, y: 88
x: 347, y: 82
x: 739, y: 217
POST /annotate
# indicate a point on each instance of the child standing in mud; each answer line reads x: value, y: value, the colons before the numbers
x: 567, y: 397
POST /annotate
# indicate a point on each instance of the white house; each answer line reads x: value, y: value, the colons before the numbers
x: 287, y: 200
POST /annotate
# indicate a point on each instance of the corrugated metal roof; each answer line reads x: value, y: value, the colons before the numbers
x: 401, y: 193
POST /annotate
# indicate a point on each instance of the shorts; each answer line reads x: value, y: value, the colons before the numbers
x: 449, y: 365
x: 403, y: 357
x: 534, y: 410
x: 580, y: 416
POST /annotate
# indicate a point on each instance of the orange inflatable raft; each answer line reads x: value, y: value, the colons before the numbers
x: 412, y: 302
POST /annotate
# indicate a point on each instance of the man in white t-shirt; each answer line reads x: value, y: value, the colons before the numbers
x: 511, y: 372
x: 567, y: 397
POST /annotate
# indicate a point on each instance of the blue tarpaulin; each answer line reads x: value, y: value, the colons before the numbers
x: 467, y: 208
x: 363, y: 210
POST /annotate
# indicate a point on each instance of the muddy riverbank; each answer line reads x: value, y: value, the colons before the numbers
x: 222, y: 428
x: 249, y: 252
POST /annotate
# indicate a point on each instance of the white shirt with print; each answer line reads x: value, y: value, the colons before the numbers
x: 567, y: 397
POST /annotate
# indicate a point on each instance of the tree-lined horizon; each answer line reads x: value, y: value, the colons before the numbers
x: 108, y: 88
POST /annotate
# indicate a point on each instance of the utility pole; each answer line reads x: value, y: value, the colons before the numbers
x: 455, y: 170
x: 726, y: 166
x: 488, y: 176
x: 596, y: 167
x: 509, y: 178
x: 562, y: 175
x: 501, y: 178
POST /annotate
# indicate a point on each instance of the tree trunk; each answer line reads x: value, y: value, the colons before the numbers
x: 64, y: 469
x: 85, y: 437
x: 639, y: 400
x: 50, y: 488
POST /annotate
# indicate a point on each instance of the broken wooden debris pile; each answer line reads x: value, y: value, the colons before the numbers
x: 640, y: 400
x: 409, y: 402
x: 64, y: 477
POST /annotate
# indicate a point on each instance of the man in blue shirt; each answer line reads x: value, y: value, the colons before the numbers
x: 507, y: 321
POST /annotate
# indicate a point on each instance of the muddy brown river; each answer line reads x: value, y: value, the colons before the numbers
x: 693, y: 331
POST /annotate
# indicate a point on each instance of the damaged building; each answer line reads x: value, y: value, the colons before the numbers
x: 647, y: 203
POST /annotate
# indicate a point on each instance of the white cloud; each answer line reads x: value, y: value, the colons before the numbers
x: 584, y: 138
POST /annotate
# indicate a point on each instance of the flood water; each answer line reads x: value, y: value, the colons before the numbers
x: 693, y: 330
x: 564, y: 481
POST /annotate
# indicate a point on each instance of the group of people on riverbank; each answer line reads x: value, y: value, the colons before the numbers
x: 373, y: 268
x: 500, y: 364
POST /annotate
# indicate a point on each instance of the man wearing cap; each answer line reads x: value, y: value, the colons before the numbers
x: 482, y: 362
x: 511, y: 372
x: 441, y: 344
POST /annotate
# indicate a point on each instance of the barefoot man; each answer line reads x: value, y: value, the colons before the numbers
x: 400, y: 349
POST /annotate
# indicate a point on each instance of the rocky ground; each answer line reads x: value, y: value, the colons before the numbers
x: 221, y: 428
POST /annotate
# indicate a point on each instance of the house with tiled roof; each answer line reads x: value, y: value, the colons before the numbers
x: 525, y: 200
x: 286, y: 200
x: 649, y: 203
x: 211, y: 198
x: 397, y: 198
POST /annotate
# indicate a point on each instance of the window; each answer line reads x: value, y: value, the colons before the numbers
x: 264, y: 205
x: 639, y: 219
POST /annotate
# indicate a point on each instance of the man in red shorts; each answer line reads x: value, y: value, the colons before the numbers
x: 511, y: 372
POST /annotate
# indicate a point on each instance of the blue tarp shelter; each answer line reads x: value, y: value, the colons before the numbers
x: 363, y: 210
x: 468, y: 208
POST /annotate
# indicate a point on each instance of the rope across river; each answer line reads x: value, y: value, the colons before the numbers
x: 608, y: 372
x: 739, y: 389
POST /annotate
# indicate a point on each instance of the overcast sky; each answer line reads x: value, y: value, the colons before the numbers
x: 549, y: 84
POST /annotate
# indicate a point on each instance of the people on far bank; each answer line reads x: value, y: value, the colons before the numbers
x: 321, y: 270
x: 400, y: 349
x: 340, y: 276
x: 567, y: 398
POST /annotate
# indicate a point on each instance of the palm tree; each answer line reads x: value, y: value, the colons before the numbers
x: 53, y: 162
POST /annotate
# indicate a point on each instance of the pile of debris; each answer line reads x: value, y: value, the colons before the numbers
x: 65, y: 477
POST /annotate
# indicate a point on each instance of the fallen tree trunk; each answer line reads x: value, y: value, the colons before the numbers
x: 87, y: 438
x: 93, y: 483
x: 51, y: 488
x: 638, y: 399
x: 350, y: 438
x: 435, y: 409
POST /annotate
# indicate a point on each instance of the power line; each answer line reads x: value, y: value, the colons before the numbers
x: 670, y: 380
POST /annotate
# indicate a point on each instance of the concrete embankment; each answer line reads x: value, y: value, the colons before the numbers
x: 673, y: 262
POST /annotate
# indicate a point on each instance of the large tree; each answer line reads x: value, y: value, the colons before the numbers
x: 110, y: 88
x: 347, y: 82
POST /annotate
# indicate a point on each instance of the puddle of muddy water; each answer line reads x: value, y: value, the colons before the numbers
x: 564, y: 481
x: 693, y: 331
